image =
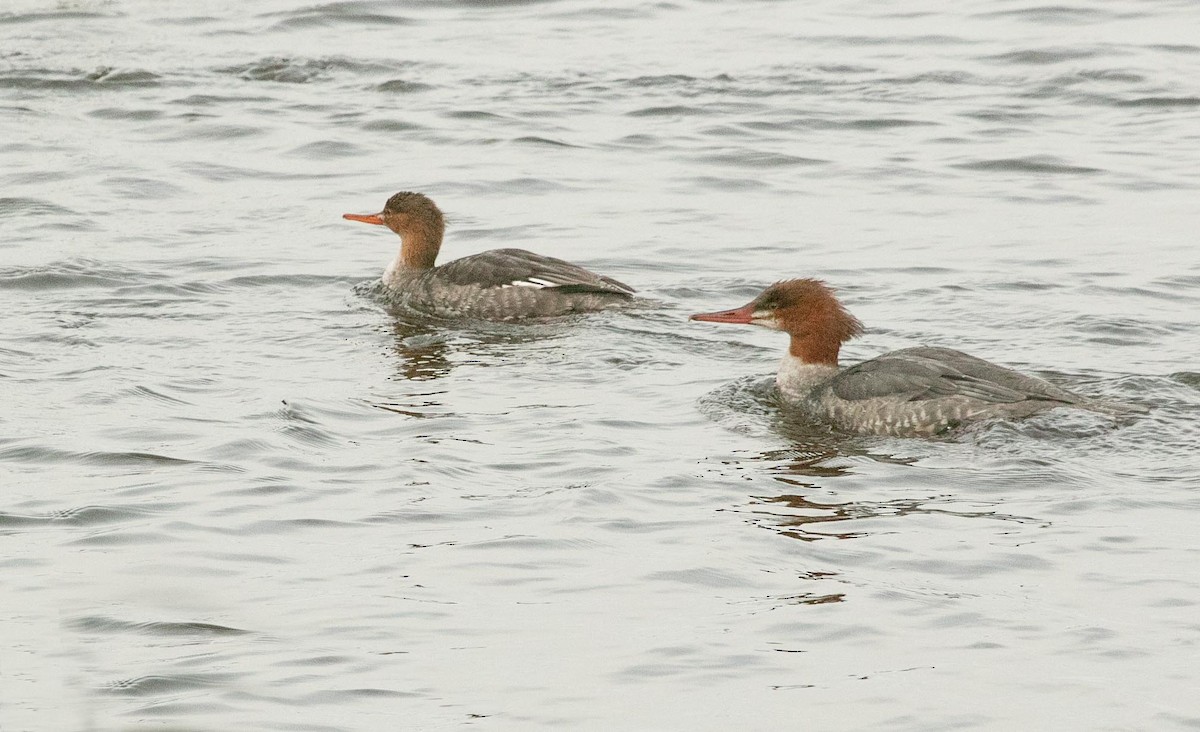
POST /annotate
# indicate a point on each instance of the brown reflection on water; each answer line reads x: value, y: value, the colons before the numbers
x: 809, y: 598
x: 812, y: 465
x: 799, y: 517
x: 821, y: 594
x: 796, y: 516
x: 428, y: 349
x: 820, y: 453
x: 815, y: 459
x: 422, y: 353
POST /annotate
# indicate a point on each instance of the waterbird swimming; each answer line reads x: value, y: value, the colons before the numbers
x: 922, y: 391
x: 500, y: 284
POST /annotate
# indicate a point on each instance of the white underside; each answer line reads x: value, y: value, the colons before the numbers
x: 797, y: 379
x: 389, y: 274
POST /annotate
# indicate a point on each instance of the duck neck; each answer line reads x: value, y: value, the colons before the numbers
x: 815, y: 351
x: 419, y: 246
x: 805, y: 368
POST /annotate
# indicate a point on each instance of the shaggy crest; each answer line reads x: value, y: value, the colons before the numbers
x: 808, y: 310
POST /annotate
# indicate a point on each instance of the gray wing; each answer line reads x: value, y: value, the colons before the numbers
x: 916, y: 374
x: 519, y: 268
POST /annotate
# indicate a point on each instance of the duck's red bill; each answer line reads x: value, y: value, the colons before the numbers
x: 365, y: 218
x: 740, y: 315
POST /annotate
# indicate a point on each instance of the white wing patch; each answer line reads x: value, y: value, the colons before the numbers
x: 537, y: 282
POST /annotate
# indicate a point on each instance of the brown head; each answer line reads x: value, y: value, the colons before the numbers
x: 417, y: 220
x: 804, y: 309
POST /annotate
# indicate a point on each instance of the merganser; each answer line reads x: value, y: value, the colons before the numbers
x: 501, y: 284
x: 921, y: 391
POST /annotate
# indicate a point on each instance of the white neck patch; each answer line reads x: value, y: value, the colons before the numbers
x: 797, y: 379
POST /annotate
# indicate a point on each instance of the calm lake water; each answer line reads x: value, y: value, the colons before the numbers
x: 235, y: 493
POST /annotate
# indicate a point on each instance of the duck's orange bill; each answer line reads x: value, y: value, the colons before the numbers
x: 742, y: 315
x: 365, y: 218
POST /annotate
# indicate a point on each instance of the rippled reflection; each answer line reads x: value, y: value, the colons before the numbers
x: 422, y: 353
x: 799, y: 517
x: 815, y: 453
x: 429, y: 348
x: 815, y: 463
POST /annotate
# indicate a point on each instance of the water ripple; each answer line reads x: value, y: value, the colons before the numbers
x: 76, y: 273
x: 76, y: 80
x: 82, y: 516
x: 1045, y: 56
x: 57, y: 16
x: 212, y: 425
x: 759, y: 159
x: 1042, y: 164
x: 33, y: 454
x: 329, y: 15
x: 31, y: 207
x: 157, y: 685
x: 108, y: 625
x: 402, y: 86
x: 1159, y: 102
x: 286, y: 70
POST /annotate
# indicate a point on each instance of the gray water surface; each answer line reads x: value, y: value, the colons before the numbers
x: 235, y: 493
